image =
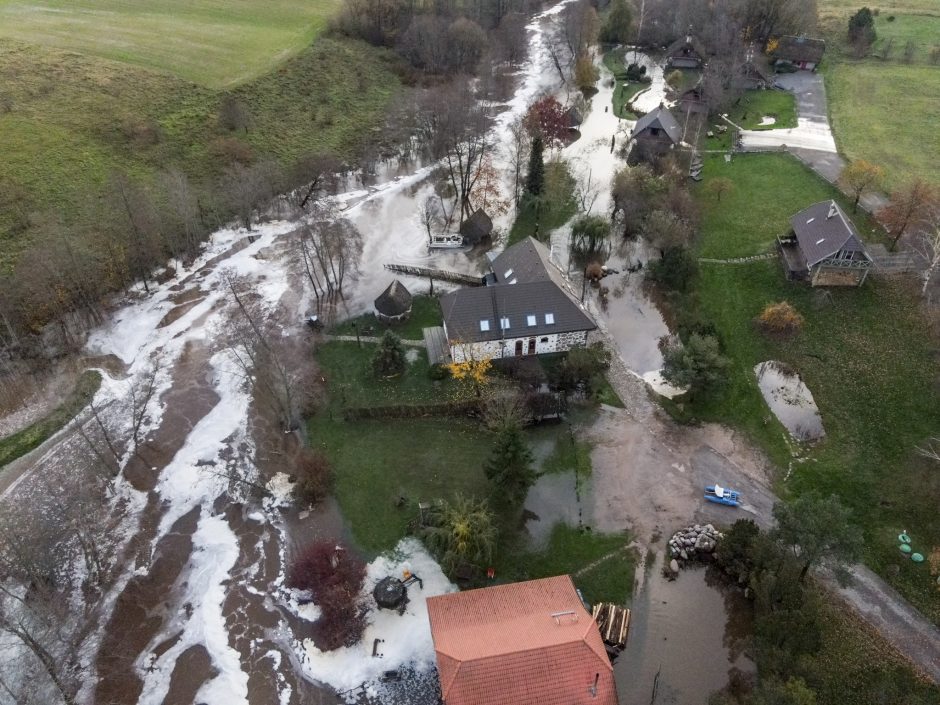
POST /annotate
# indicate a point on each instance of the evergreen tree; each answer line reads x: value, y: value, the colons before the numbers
x: 535, y: 181
x: 698, y: 364
x: 862, y: 27
x: 461, y: 532
x: 389, y: 359
x: 509, y: 466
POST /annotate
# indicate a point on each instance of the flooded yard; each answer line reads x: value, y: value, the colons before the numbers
x: 686, y: 637
x: 790, y: 400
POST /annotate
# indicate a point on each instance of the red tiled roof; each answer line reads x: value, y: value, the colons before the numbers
x: 530, y: 643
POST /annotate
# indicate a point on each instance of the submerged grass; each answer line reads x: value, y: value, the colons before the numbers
x: 31, y: 437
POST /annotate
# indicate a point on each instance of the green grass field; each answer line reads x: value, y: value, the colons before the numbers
x: 864, y: 354
x: 754, y: 105
x: 67, y: 120
x: 886, y: 111
x: 215, y: 43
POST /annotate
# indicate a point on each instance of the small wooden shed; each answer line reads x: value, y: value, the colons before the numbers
x: 476, y: 228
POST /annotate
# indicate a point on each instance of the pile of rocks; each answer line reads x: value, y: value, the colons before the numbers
x: 693, y: 542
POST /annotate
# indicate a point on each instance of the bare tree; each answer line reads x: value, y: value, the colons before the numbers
x: 455, y: 128
x: 316, y: 170
x: 136, y: 217
x: 431, y: 216
x: 912, y: 205
x: 518, y: 146
x: 927, y: 245
x: 329, y: 249
x: 253, y: 339
x: 246, y: 189
x: 180, y: 212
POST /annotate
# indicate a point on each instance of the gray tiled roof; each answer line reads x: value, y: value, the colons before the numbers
x: 822, y: 230
x: 662, y: 119
x: 686, y: 46
x: 465, y: 308
x: 538, y: 289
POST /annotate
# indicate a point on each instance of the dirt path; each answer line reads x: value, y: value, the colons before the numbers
x: 648, y: 478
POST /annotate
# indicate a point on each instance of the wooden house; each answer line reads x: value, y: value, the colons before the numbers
x: 476, y: 228
x: 685, y: 53
x: 654, y: 135
x: 824, y: 248
x: 801, y: 52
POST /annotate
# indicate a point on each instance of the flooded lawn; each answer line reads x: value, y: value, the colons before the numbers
x: 790, y: 400
x: 557, y: 497
x: 686, y: 636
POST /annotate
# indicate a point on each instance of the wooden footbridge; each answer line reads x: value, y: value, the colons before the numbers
x: 439, y: 274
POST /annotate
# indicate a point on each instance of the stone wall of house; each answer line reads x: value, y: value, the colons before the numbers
x: 555, y: 342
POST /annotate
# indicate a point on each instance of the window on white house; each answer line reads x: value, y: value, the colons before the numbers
x: 504, y: 322
x: 543, y: 340
x: 484, y: 325
x: 530, y: 320
x: 549, y: 319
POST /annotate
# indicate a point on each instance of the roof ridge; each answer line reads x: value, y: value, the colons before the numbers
x: 521, y: 650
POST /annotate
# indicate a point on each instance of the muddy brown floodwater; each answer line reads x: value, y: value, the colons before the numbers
x: 686, y: 638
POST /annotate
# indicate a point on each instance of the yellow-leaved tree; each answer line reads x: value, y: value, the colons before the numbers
x: 473, y: 371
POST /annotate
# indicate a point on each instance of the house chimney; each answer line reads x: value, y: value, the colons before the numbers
x: 593, y: 688
x: 833, y: 210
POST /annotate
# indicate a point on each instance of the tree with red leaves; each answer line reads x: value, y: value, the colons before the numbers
x: 333, y: 577
x: 548, y: 118
x: 910, y: 206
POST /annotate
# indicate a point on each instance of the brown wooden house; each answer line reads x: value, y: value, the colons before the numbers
x: 824, y: 248
x: 801, y: 52
x: 654, y: 135
x: 685, y: 53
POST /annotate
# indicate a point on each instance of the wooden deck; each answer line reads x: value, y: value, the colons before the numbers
x: 436, y: 342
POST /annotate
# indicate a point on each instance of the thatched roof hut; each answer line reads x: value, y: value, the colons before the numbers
x: 393, y: 304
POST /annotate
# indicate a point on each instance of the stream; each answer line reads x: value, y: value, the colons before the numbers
x: 196, y: 616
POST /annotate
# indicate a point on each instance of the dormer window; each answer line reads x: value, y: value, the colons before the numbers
x: 504, y: 323
x: 549, y: 319
x: 484, y: 325
x: 530, y: 320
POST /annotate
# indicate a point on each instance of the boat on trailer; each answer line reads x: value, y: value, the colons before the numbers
x: 447, y: 241
x: 722, y: 495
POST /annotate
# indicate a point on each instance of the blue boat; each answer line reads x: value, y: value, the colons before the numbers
x: 722, y: 495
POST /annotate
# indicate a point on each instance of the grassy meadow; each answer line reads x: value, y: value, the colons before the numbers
x: 864, y: 353
x: 885, y: 110
x: 215, y: 43
x: 67, y: 120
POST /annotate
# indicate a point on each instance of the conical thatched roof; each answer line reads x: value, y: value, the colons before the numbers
x: 394, y: 301
x: 476, y: 227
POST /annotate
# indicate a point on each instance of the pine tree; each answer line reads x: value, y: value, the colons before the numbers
x: 509, y: 466
x: 535, y: 181
x: 389, y: 359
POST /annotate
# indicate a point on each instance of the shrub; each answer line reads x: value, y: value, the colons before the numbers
x: 334, y: 579
x: 674, y: 270
x: 890, y: 18
x: 636, y: 72
x: 583, y: 368
x: 780, y: 319
x: 314, y: 476
x: 232, y: 150
x: 438, y: 372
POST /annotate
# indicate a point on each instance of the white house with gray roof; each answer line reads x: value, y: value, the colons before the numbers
x: 825, y: 248
x: 525, y: 309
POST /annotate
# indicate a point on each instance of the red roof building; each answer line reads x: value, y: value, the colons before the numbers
x: 530, y: 643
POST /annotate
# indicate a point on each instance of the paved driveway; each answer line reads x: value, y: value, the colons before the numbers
x: 812, y: 131
x: 811, y: 140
